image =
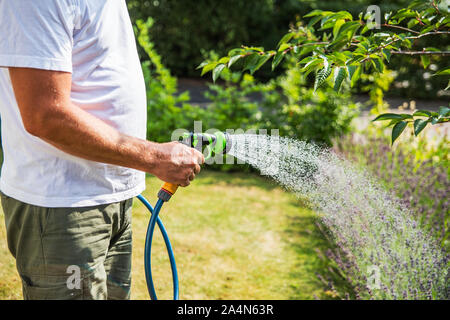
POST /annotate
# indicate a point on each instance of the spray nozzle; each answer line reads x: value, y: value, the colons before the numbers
x: 216, y: 143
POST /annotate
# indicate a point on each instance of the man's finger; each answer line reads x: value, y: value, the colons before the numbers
x: 197, y: 169
x: 200, y: 157
x: 185, y: 183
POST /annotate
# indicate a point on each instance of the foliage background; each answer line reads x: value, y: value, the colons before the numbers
x: 285, y: 103
x: 183, y: 32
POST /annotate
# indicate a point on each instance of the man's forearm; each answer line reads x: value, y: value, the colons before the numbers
x: 77, y: 132
x: 47, y: 112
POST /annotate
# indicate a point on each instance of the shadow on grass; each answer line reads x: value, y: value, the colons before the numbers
x: 246, y: 179
x: 307, y: 240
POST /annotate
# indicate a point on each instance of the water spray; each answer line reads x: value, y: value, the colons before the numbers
x: 218, y: 143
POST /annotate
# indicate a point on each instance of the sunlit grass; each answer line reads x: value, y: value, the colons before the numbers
x: 235, y: 236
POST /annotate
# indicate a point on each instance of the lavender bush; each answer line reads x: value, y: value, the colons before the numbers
x: 421, y: 185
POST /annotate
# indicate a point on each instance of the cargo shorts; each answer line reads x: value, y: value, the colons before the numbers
x: 71, y: 253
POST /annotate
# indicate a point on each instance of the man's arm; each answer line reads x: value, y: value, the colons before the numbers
x: 48, y: 113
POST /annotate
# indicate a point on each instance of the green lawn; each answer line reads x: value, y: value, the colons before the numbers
x: 235, y: 236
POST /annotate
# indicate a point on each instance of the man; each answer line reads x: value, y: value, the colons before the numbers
x: 73, y: 110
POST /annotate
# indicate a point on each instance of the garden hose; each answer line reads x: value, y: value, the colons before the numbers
x: 217, y: 143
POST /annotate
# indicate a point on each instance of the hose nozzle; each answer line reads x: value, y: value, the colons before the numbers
x: 216, y: 143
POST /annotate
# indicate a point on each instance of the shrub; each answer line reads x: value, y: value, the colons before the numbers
x: 286, y: 104
x: 166, y: 109
x: 230, y: 106
x: 299, y: 112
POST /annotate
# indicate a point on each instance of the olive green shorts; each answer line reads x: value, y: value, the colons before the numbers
x: 71, y: 253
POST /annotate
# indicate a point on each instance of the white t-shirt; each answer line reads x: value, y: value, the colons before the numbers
x: 94, y: 40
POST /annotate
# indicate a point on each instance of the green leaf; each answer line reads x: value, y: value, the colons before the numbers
x: 208, y: 67
x: 393, y: 122
x: 286, y: 38
x: 406, y: 116
x: 306, y: 50
x: 388, y: 116
x: 236, y: 51
x: 326, y: 23
x: 283, y: 47
x: 386, y: 54
x: 217, y: 70
x: 365, y: 29
x: 412, y: 23
x: 422, y: 113
x: 355, y: 76
x: 342, y: 15
x: 443, y: 72
x: 314, y: 13
x: 251, y: 61
x: 233, y: 59
x: 397, y: 130
x: 321, y: 76
x: 427, y: 29
x: 377, y: 63
x: 419, y: 125
x: 310, y: 66
x: 444, y: 111
x: 351, y: 71
x: 340, y: 75
x: 431, y: 49
x: 261, y: 61
x: 348, y: 29
x: 277, y: 59
x: 338, y: 24
x: 307, y: 59
x: 425, y: 61
x: 201, y: 65
x: 314, y: 20
x: 404, y: 13
x: 224, y: 60
x: 258, y: 49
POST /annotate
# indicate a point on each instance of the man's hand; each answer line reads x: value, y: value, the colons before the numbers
x: 178, y: 163
x: 47, y: 112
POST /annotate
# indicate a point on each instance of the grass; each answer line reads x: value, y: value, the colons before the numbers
x: 235, y: 236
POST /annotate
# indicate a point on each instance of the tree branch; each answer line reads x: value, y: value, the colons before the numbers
x: 431, y: 33
x: 399, y: 27
x: 412, y: 53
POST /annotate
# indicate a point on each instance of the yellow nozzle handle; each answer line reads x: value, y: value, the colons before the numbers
x: 170, y: 187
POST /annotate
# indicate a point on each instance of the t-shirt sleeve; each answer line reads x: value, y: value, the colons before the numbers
x: 37, y: 34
